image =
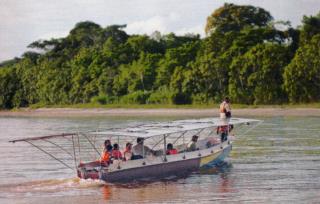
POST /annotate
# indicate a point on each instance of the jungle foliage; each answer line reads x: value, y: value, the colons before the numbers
x: 245, y: 55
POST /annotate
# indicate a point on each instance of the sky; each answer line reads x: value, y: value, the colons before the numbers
x: 25, y: 21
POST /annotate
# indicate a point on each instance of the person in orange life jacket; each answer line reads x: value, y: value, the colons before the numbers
x: 116, y: 154
x: 107, y: 145
x: 106, y: 155
x: 223, y: 131
x: 225, y: 108
x: 170, y: 149
x: 127, y: 154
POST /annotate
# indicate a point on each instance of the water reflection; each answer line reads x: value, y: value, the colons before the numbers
x: 225, y: 183
x: 106, y: 192
x: 223, y: 167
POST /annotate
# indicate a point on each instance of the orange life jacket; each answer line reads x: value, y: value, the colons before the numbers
x: 105, y: 157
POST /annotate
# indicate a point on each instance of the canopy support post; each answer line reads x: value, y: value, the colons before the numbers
x: 164, y: 148
x: 79, y: 147
x: 184, y: 147
x: 74, y: 153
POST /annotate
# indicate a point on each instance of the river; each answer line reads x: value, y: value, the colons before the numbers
x: 278, y: 162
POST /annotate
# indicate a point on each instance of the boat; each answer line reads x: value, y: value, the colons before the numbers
x: 210, y: 150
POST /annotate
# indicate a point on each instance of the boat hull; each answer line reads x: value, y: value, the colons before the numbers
x: 153, y: 171
x: 160, y: 170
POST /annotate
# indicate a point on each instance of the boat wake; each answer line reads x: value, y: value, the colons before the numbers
x: 48, y: 186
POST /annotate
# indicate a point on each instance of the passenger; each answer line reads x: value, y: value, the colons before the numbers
x: 192, y: 145
x: 127, y: 154
x: 225, y: 109
x: 223, y: 131
x: 107, y: 145
x: 212, y: 141
x: 116, y: 154
x: 170, y: 150
x: 139, y: 150
x: 106, y: 155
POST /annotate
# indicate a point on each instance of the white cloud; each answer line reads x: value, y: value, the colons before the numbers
x: 54, y: 34
x: 164, y: 24
x: 198, y: 29
x: 155, y: 23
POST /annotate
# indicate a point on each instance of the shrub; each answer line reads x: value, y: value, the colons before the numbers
x: 200, y: 98
x: 180, y: 98
x: 137, y: 97
x: 162, y: 96
x: 103, y: 99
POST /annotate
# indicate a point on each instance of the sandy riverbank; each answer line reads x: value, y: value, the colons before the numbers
x: 179, y: 112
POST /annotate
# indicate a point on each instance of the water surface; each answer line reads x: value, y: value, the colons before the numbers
x: 279, y: 162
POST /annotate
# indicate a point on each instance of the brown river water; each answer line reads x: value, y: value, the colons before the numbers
x: 278, y: 162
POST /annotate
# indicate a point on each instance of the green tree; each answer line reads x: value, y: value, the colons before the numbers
x: 310, y: 27
x: 9, y: 85
x: 173, y: 58
x: 256, y: 77
x: 231, y: 17
x: 301, y: 76
x: 139, y: 75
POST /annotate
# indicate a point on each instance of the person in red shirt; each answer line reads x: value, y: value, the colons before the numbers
x: 170, y: 150
x: 116, y: 154
x: 224, y: 131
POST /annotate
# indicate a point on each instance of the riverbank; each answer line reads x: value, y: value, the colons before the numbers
x: 148, y: 112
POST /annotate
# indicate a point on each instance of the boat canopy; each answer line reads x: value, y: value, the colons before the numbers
x: 154, y: 129
x: 162, y: 128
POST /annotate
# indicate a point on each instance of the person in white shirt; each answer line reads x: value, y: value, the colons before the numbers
x: 139, y: 150
x: 192, y: 145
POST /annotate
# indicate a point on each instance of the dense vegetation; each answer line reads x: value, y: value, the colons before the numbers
x: 245, y: 55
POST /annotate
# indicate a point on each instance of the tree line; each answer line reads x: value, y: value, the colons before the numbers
x: 246, y: 55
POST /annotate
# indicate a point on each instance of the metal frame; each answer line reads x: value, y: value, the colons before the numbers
x: 75, y: 137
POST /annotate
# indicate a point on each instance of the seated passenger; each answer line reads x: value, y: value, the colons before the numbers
x: 170, y: 150
x: 212, y: 141
x: 106, y: 155
x: 116, y: 154
x: 127, y: 154
x: 192, y: 145
x: 107, y: 145
x: 139, y: 150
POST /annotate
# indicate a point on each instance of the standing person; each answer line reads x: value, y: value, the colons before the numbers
x: 225, y: 108
x: 224, y: 131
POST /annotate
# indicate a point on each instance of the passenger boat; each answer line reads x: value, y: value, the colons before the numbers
x: 210, y: 151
